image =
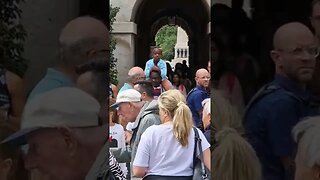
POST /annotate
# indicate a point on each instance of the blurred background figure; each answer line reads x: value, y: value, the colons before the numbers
x: 233, y: 158
x: 306, y: 134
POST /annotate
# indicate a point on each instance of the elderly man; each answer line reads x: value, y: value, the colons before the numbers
x: 306, y: 134
x: 143, y: 114
x: 280, y: 105
x: 135, y: 74
x: 82, y: 39
x: 197, y: 95
x: 66, y: 140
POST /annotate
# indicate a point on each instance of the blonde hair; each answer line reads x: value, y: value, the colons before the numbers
x: 306, y: 134
x: 233, y: 158
x: 174, y: 103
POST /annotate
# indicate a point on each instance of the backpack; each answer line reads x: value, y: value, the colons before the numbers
x: 265, y: 90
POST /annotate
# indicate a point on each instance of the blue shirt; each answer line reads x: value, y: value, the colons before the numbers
x: 53, y: 79
x: 194, y: 100
x: 125, y: 87
x: 162, y: 66
x: 269, y: 122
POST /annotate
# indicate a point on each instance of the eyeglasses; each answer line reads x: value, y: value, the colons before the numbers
x: 300, y: 52
x: 205, y: 77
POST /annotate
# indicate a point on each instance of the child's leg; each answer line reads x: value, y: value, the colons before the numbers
x: 166, y: 84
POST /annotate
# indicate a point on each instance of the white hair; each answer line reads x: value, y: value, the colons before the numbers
x: 206, y: 104
x: 306, y: 133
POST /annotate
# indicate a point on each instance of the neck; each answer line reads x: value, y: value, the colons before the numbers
x: 302, y: 85
x: 69, y: 72
x: 169, y: 121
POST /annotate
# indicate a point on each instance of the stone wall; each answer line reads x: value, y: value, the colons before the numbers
x: 43, y: 20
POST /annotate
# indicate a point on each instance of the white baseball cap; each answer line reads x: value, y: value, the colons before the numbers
x: 129, y: 95
x: 65, y: 106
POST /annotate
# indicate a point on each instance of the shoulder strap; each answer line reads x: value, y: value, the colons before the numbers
x: 191, y: 91
x: 198, y: 143
x: 265, y: 90
x: 135, y: 130
x: 195, y: 146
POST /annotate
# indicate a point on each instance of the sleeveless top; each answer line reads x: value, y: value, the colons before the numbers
x: 5, y: 100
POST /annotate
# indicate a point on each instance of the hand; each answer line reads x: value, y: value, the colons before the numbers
x: 128, y: 136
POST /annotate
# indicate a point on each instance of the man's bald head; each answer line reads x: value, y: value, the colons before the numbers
x: 83, y: 28
x: 294, y: 53
x: 288, y: 33
x: 135, y: 74
x: 201, y: 72
x: 82, y: 39
x: 202, y: 77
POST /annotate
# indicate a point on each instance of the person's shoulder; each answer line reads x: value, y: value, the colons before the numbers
x: 13, y: 76
x: 119, y: 126
x: 149, y: 61
x: 280, y: 96
x: 151, y: 130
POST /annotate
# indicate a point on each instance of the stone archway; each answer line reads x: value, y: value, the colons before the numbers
x: 192, y: 15
x: 138, y: 21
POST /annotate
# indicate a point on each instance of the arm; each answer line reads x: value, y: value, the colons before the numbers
x: 147, y: 69
x: 114, y: 90
x: 141, y: 160
x: 139, y: 171
x: 17, y: 92
x: 282, y: 117
x: 207, y: 158
x: 205, y: 150
x: 163, y: 69
x: 123, y: 155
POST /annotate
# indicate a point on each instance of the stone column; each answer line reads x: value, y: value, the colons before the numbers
x: 124, y: 33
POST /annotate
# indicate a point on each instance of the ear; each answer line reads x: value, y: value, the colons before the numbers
x: 70, y: 140
x: 276, y: 57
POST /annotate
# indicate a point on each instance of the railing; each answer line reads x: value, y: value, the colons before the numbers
x: 182, y: 52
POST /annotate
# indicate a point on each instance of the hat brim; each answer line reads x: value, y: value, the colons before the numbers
x: 19, y: 137
x: 115, y: 105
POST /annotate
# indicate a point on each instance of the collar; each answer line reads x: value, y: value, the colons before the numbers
x: 291, y: 86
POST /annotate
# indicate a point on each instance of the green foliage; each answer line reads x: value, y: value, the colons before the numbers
x: 113, y: 61
x: 166, y: 39
x: 12, y: 37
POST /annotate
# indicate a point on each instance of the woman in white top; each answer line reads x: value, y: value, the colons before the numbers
x: 167, y: 149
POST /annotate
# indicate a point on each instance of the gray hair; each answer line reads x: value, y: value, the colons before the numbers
x: 306, y: 133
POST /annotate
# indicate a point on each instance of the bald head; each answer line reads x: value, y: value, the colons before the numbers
x: 201, y: 72
x: 288, y: 33
x: 82, y: 40
x: 202, y: 77
x: 83, y: 28
x: 136, y: 74
x: 295, y: 52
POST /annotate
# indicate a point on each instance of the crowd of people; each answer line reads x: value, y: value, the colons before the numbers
x: 64, y: 128
x: 161, y: 124
x: 154, y: 115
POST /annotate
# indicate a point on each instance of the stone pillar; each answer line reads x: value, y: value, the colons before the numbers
x: 124, y: 33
